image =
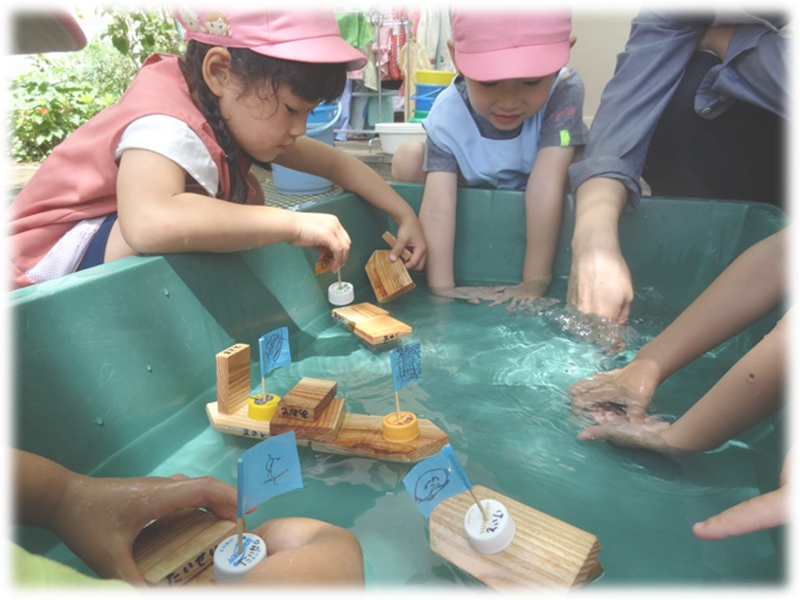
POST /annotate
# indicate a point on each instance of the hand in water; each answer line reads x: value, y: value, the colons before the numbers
x: 473, y: 295
x: 610, y: 390
x: 522, y: 295
x: 619, y: 431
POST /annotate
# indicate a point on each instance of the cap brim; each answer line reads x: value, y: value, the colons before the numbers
x: 513, y: 63
x: 328, y: 49
x: 38, y: 27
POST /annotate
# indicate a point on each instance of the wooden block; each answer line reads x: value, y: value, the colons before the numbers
x: 361, y: 435
x: 233, y: 378
x: 355, y: 313
x: 546, y: 553
x: 175, y: 548
x: 389, y: 280
x: 324, y: 429
x: 237, y: 423
x: 381, y: 330
x: 307, y: 399
x: 391, y: 240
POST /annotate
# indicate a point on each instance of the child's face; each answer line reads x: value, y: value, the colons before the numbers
x: 508, y: 102
x: 265, y: 124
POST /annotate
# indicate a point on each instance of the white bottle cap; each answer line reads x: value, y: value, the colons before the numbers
x: 496, y: 533
x: 341, y: 293
x: 229, y: 565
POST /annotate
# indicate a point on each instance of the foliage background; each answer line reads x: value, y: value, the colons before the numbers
x: 63, y: 90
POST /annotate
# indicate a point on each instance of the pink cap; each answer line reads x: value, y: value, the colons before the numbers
x: 304, y: 36
x: 510, y: 44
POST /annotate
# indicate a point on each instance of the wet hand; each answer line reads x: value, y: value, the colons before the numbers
x: 100, y: 518
x: 619, y: 431
x: 772, y: 509
x: 609, y: 391
x: 522, y: 295
x: 600, y: 284
x: 323, y: 232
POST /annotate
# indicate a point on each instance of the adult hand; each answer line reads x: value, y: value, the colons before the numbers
x: 100, y: 518
x: 626, y: 389
x: 762, y: 512
x: 322, y: 232
x: 522, y: 295
x: 600, y: 284
x: 409, y: 235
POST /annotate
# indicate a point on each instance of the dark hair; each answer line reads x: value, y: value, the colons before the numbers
x: 313, y: 82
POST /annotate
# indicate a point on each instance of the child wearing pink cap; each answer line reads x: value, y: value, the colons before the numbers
x: 167, y: 168
x: 511, y: 119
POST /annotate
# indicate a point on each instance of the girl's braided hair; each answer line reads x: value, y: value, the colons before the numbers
x: 313, y: 82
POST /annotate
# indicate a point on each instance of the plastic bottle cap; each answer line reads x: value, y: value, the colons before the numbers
x: 341, y: 293
x: 404, y: 429
x: 229, y: 565
x: 261, y: 408
x: 496, y: 533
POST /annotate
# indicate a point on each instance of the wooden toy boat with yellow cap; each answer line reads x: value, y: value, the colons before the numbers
x: 317, y: 417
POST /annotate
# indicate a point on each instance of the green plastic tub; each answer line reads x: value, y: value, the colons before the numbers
x: 112, y: 369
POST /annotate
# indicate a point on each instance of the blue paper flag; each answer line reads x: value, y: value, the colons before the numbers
x: 268, y: 469
x: 432, y: 481
x: 451, y: 456
x: 406, y: 365
x: 274, y: 349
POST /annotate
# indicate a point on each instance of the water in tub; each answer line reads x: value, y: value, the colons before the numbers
x: 495, y: 381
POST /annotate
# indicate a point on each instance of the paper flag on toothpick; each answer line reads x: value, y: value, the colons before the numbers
x: 268, y: 469
x: 274, y: 350
x: 406, y: 365
x: 432, y: 481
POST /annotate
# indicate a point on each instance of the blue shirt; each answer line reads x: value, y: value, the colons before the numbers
x: 648, y: 72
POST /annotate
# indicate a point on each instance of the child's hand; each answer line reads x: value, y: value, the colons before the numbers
x: 773, y: 509
x: 612, y: 390
x: 100, y: 518
x: 409, y: 235
x: 523, y: 294
x: 621, y: 432
x: 473, y: 295
x: 322, y: 231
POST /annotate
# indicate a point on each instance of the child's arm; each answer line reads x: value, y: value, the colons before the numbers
x: 307, y: 552
x: 749, y: 288
x: 99, y: 518
x: 351, y: 174
x: 761, y: 512
x: 749, y: 392
x: 544, y: 200
x: 157, y: 216
x: 437, y: 214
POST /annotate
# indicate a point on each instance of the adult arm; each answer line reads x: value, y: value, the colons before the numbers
x: 100, y: 518
x: 158, y: 216
x: 749, y: 288
x: 351, y: 174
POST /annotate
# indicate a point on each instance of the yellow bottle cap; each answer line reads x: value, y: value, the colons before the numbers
x: 404, y: 429
x: 261, y: 408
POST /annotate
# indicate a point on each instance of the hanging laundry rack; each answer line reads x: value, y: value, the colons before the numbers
x: 380, y: 19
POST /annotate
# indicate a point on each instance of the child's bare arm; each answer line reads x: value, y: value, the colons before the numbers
x: 352, y: 175
x: 437, y: 215
x: 750, y: 391
x: 157, y: 215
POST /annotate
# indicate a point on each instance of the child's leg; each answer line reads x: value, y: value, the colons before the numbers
x: 407, y: 163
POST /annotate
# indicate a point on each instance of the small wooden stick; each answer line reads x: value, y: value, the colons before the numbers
x: 391, y: 240
x: 480, y: 506
x: 239, y: 533
x: 397, y: 404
